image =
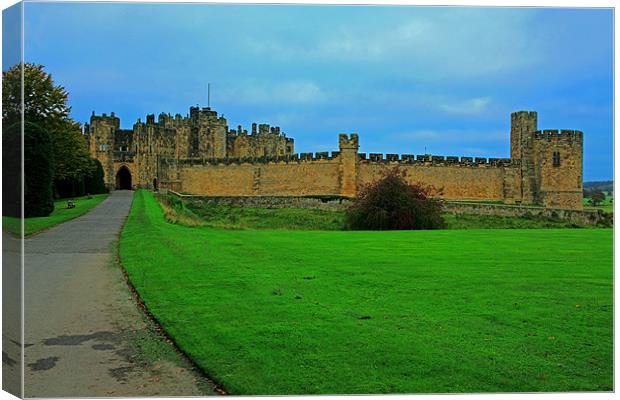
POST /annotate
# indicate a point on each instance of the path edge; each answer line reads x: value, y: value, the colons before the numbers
x: 217, y: 387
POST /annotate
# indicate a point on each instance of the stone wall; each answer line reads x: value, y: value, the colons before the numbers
x: 340, y: 203
x: 283, y: 178
x: 328, y: 203
x: 451, y: 182
x: 578, y: 217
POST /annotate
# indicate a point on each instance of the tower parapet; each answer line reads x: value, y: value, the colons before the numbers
x: 559, y: 134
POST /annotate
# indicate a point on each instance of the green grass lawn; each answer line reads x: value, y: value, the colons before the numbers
x: 295, y: 312
x: 60, y: 214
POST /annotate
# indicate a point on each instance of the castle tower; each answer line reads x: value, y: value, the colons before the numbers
x: 551, y: 162
x: 208, y: 133
x: 523, y: 124
x: 349, y: 146
x: 558, y: 156
x: 101, y: 144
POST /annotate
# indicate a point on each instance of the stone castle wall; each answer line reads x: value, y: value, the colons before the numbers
x: 283, y: 178
x: 326, y: 175
x: 460, y: 181
x: 200, y: 155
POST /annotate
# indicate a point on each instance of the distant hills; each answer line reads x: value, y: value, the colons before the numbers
x: 605, y: 186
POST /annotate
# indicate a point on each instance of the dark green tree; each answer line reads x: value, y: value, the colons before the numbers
x: 94, y: 184
x: 11, y: 170
x: 597, y: 197
x: 72, y: 161
x: 38, y: 171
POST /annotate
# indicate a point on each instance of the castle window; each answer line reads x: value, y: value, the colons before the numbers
x: 556, y: 158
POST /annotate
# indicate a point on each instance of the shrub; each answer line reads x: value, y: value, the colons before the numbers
x: 392, y: 203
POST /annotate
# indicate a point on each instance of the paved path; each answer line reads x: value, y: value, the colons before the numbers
x: 84, y: 335
x: 11, y: 314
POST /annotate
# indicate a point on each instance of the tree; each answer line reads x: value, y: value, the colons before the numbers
x: 38, y: 171
x: 45, y: 104
x: 72, y: 160
x: 70, y: 152
x: 587, y: 193
x: 94, y: 184
x: 392, y: 203
x: 11, y: 167
x: 43, y: 100
x: 597, y: 197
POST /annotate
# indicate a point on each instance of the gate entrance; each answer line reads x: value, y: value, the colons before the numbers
x: 123, y: 179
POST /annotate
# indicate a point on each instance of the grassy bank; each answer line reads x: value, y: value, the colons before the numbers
x: 190, y: 213
x: 60, y: 214
x: 292, y: 311
x: 220, y: 216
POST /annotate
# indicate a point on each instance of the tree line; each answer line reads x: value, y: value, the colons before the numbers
x: 56, y: 160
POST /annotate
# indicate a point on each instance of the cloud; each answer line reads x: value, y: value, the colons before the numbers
x: 430, y: 42
x: 472, y: 106
x: 434, y: 100
x: 297, y: 92
x: 283, y: 119
x: 421, y: 134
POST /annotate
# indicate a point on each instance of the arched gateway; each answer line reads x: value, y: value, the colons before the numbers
x: 123, y: 179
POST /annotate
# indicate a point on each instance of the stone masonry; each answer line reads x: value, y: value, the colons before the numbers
x: 199, y: 154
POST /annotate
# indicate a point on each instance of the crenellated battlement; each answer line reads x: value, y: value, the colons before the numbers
x: 524, y: 115
x: 106, y: 119
x: 378, y: 158
x: 558, y: 134
x: 262, y: 131
x: 427, y: 159
x: 348, y: 141
x: 298, y: 158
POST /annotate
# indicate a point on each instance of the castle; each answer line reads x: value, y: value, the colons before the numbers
x: 199, y: 154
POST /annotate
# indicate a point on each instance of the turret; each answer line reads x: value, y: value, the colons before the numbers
x: 348, y: 146
x: 101, y: 141
x: 522, y: 126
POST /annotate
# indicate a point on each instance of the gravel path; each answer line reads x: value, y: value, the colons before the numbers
x: 84, y: 334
